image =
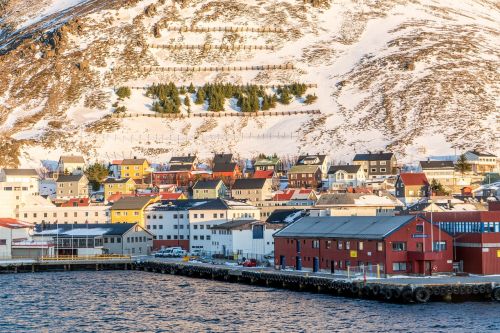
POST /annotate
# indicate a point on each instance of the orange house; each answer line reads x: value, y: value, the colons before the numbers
x: 227, y: 172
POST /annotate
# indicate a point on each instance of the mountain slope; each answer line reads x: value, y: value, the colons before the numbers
x: 416, y: 77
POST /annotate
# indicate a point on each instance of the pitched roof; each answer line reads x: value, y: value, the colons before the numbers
x: 20, y: 172
x: 293, y: 194
x: 182, y: 159
x: 303, y: 168
x: 83, y: 230
x: 303, y: 159
x: 181, y: 167
x: 470, y: 216
x: 285, y: 215
x: 134, y: 203
x: 263, y: 174
x: 215, y: 204
x: 72, y: 159
x: 223, y: 158
x: 11, y: 223
x: 69, y: 178
x: 357, y: 227
x: 237, y: 224
x: 76, y: 202
x: 436, y: 165
x: 414, y: 179
x: 249, y: 184
x: 224, y: 167
x: 206, y: 184
x: 267, y: 161
x: 373, y: 157
x: 133, y: 161
x: 170, y: 195
x: 482, y: 154
x: 116, y: 181
x: 349, y: 168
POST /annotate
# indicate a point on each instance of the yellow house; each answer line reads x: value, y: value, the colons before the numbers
x: 118, y: 186
x: 135, y: 168
x: 131, y: 209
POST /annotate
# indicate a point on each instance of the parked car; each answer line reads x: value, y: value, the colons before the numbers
x: 250, y: 263
x: 178, y: 253
x: 163, y: 253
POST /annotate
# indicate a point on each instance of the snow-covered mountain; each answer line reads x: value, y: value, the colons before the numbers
x: 417, y: 77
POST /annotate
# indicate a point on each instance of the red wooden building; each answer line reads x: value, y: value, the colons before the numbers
x: 183, y: 178
x: 398, y: 244
x: 227, y: 172
x: 477, y: 239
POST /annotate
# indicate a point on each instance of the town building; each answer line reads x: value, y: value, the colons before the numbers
x: 377, y: 165
x: 204, y: 216
x: 269, y: 163
x: 168, y: 221
x: 252, y: 189
x: 268, y: 174
x: 131, y: 209
x: 476, y: 246
x: 209, y: 189
x: 318, y: 160
x: 38, y: 210
x: 135, y: 168
x: 295, y: 197
x: 16, y: 186
x: 240, y: 239
x: 305, y: 176
x: 482, y: 162
x: 223, y: 158
x: 394, y: 244
x: 183, y: 163
x: 442, y: 172
x: 358, y: 204
x: 96, y: 239
x: 11, y: 231
x: 412, y: 187
x: 286, y: 216
x: 341, y: 177
x: 71, y: 165
x: 118, y: 186
x: 72, y: 186
x: 227, y: 172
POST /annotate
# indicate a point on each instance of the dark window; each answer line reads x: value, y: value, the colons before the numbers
x: 258, y: 232
x: 420, y: 228
x: 399, y: 246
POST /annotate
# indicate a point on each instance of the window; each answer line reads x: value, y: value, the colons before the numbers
x: 339, y: 245
x: 399, y: 266
x: 215, y: 215
x: 361, y: 246
x: 195, y: 216
x: 154, y: 226
x: 175, y: 216
x: 202, y: 226
x: 328, y: 244
x: 3, y: 242
x: 221, y: 215
x: 202, y: 237
x: 347, y: 263
x: 195, y: 226
x: 380, y: 246
x: 315, y: 244
x: 399, y: 246
x: 194, y: 237
x: 439, y: 246
x: 160, y: 226
x: 347, y: 245
x: 181, y: 216
x: 160, y: 237
x: 373, y: 162
x: 373, y: 170
x: 383, y: 169
x: 202, y: 216
x: 383, y: 162
x: 208, y: 237
x: 420, y: 228
x: 175, y: 226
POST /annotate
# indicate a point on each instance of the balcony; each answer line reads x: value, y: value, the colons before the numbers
x: 428, y: 255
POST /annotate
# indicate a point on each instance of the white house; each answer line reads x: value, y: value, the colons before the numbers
x: 243, y: 238
x: 12, y: 230
x: 37, y: 209
x: 71, y: 165
x: 212, y: 213
x: 482, y: 162
x: 16, y: 186
x: 343, y: 176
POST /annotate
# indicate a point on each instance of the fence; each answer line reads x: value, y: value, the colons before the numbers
x: 225, y: 29
x: 211, y: 47
x: 308, y: 85
x: 206, y: 68
x: 363, y: 271
x: 211, y: 114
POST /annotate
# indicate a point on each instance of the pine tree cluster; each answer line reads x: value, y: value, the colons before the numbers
x: 168, y: 98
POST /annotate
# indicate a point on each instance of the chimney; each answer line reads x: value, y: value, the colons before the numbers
x: 135, y: 157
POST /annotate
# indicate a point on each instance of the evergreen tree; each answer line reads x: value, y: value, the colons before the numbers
x: 123, y: 92
x: 285, y: 97
x: 187, y: 101
x: 266, y: 103
x: 182, y: 90
x: 200, y: 96
x: 462, y: 165
x: 310, y: 99
x: 96, y: 174
x: 437, y: 188
x: 191, y: 88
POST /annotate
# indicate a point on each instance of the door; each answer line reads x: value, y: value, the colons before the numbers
x: 427, y: 267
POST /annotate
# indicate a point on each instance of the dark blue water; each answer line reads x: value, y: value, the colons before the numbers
x: 131, y: 301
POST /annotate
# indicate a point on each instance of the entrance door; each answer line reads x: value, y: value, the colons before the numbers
x: 427, y: 267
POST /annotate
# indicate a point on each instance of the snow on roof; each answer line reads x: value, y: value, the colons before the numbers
x: 11, y: 223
